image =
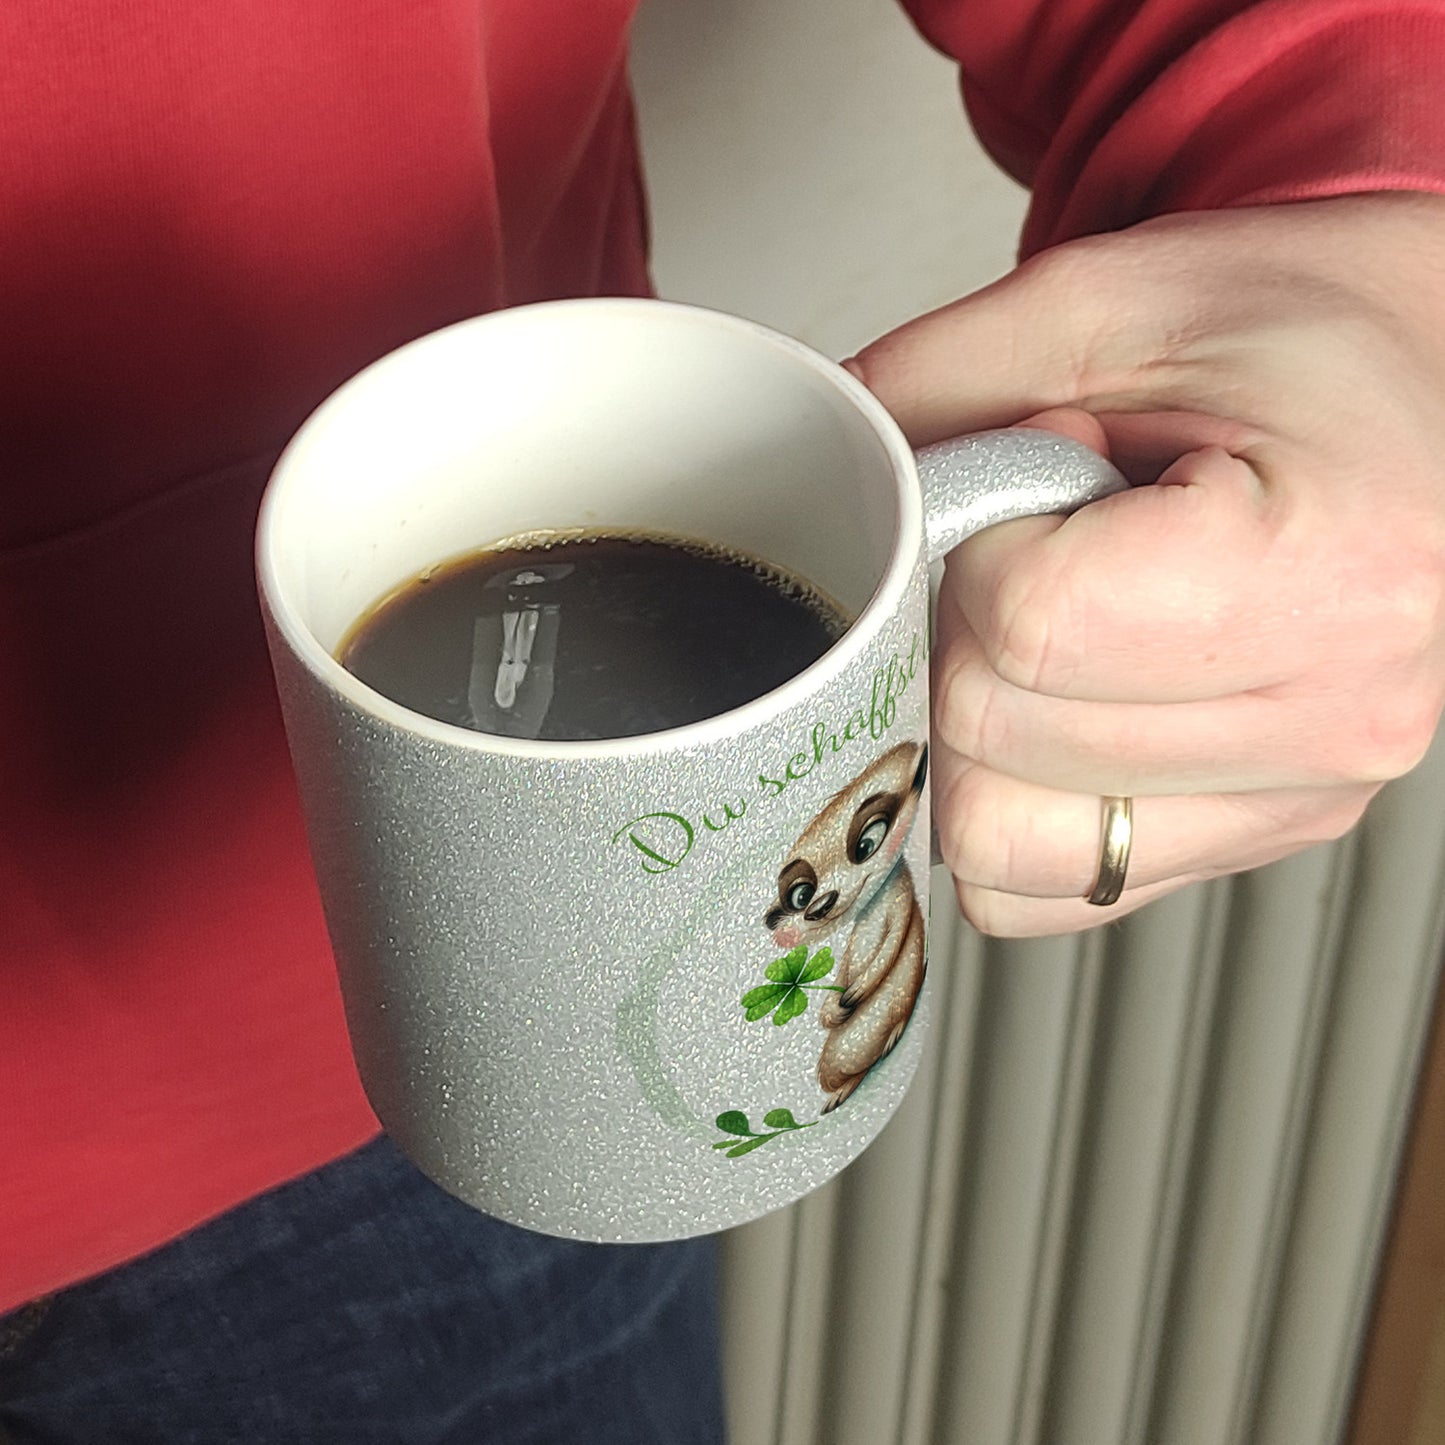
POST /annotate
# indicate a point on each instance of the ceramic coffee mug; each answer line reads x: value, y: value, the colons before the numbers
x: 645, y: 988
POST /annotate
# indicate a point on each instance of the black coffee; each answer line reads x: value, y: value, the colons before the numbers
x: 590, y: 637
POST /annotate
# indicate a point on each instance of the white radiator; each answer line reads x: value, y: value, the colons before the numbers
x: 1138, y: 1192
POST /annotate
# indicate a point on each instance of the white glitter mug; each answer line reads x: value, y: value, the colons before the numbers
x: 651, y: 987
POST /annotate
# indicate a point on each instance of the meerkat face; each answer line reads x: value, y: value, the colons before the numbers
x: 842, y: 857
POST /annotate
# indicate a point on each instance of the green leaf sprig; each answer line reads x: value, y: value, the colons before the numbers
x: 792, y: 976
x: 743, y: 1140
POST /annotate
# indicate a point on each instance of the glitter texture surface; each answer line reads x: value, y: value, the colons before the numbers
x: 543, y: 959
x: 547, y: 1016
x: 972, y: 482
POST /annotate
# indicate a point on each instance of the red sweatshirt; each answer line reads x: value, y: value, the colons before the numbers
x: 211, y: 215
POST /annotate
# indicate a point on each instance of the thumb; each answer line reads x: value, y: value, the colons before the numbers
x: 1075, y: 423
x: 1046, y: 336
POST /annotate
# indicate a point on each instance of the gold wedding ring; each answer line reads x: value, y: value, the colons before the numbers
x: 1116, y: 837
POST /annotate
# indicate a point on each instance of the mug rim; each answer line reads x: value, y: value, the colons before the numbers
x: 888, y: 595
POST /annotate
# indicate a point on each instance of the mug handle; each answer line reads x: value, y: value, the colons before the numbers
x: 972, y: 482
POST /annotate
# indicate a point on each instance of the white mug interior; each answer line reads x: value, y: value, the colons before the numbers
x: 610, y: 415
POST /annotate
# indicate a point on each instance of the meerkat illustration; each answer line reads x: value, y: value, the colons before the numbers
x: 848, y: 867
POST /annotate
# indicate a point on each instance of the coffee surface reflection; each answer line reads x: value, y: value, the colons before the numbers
x: 588, y: 637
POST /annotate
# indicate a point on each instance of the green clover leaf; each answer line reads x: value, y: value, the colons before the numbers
x: 760, y: 1002
x: 795, y: 1001
x: 820, y: 967
x: 789, y: 967
x: 748, y: 1145
x: 740, y: 1138
x: 791, y: 974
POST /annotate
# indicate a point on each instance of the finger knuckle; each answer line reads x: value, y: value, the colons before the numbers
x: 1397, y: 735
x: 1334, y: 821
x: 987, y: 911
x: 1028, y: 641
x: 1278, y: 824
x: 950, y: 690
x: 975, y: 832
x: 1004, y: 915
x: 1382, y: 742
x: 966, y: 715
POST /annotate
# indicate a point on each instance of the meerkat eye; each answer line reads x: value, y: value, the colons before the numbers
x: 870, y: 837
x: 799, y: 895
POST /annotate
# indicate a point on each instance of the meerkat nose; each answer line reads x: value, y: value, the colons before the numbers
x: 822, y: 907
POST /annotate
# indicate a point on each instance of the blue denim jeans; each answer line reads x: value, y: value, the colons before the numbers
x: 362, y: 1304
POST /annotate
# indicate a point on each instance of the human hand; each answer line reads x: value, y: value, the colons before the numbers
x: 1254, y: 644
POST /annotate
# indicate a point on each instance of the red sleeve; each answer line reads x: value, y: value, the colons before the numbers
x: 1116, y: 110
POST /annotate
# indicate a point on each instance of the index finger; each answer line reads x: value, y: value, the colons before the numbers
x: 1178, y: 591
